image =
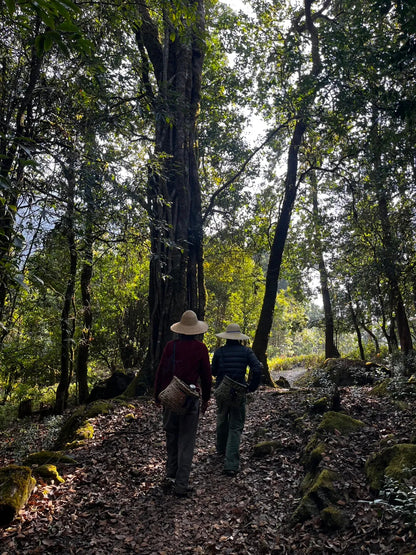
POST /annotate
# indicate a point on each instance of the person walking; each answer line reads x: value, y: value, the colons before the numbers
x: 186, y: 358
x: 232, y: 360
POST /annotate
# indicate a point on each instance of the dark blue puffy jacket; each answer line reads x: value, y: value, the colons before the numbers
x: 232, y: 360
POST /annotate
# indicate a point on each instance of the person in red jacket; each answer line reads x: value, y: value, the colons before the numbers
x: 188, y: 359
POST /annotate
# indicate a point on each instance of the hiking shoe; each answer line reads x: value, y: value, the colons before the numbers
x: 167, y: 484
x: 183, y: 493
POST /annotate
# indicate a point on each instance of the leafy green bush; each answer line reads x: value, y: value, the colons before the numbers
x: 399, y: 499
x: 281, y: 364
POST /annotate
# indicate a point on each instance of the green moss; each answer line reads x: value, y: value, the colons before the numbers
x: 395, y: 462
x: 320, y: 405
x: 319, y: 495
x: 333, y: 518
x: 381, y: 389
x: 343, y: 423
x: 266, y: 448
x: 85, y: 432
x: 97, y: 408
x: 313, y: 453
x: 16, y: 485
x: 48, y: 472
x: 48, y: 457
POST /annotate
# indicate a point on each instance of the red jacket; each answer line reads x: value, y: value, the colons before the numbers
x: 191, y: 366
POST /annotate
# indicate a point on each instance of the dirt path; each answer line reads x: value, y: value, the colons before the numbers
x: 291, y: 375
x: 112, y: 502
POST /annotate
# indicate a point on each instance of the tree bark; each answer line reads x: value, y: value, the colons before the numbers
x: 174, y: 197
x: 331, y: 350
x: 273, y: 270
x: 86, y: 275
x: 68, y: 320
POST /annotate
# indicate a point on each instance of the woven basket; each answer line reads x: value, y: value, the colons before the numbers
x: 230, y: 392
x: 176, y: 395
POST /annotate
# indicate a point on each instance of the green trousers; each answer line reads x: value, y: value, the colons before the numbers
x: 230, y: 424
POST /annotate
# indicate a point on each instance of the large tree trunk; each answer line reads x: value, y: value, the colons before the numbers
x: 174, y: 197
x: 67, y: 316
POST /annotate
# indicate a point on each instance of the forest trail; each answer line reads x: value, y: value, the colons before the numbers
x: 112, y: 502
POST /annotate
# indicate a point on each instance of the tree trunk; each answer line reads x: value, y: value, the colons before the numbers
x: 86, y: 275
x: 356, y: 326
x: 174, y: 197
x: 373, y: 337
x: 264, y: 326
x: 68, y: 321
x: 10, y: 154
x: 389, y: 252
x: 331, y: 350
x: 273, y: 270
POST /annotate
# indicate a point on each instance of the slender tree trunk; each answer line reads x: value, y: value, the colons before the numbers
x: 331, y: 350
x: 174, y: 197
x: 273, y: 270
x: 389, y: 254
x: 68, y: 317
x: 264, y: 326
x: 86, y: 275
x: 9, y: 157
x: 373, y: 337
x: 356, y: 325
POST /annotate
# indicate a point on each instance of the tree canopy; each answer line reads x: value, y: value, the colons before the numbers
x: 134, y: 185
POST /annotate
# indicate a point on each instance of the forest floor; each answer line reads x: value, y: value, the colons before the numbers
x: 112, y: 501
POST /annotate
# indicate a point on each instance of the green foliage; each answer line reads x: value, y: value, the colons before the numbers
x: 398, y: 498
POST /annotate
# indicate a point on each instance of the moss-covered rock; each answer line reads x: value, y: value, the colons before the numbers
x: 397, y: 462
x: 341, y: 422
x: 48, y: 473
x: 76, y: 428
x: 97, y: 408
x: 48, y: 457
x: 319, y: 494
x: 265, y: 448
x: 381, y: 389
x: 333, y: 518
x: 320, y: 406
x: 313, y: 453
x: 16, y: 485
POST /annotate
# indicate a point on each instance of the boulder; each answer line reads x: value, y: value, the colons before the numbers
x: 319, y: 493
x: 16, y: 485
x: 397, y: 462
x: 340, y: 422
x: 112, y: 387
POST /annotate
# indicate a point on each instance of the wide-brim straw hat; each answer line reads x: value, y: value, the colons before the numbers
x: 189, y: 324
x: 233, y: 331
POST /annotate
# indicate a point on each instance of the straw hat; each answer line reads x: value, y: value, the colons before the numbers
x: 233, y: 331
x: 189, y: 324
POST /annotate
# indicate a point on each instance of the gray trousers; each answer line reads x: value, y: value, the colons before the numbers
x: 180, y: 443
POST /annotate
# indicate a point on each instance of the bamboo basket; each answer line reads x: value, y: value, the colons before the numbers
x: 175, y: 396
x: 230, y: 392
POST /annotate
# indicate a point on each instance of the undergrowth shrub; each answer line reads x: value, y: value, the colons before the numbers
x: 281, y: 364
x: 399, y: 499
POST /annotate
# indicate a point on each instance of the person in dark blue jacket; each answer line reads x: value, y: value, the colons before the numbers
x: 232, y: 360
